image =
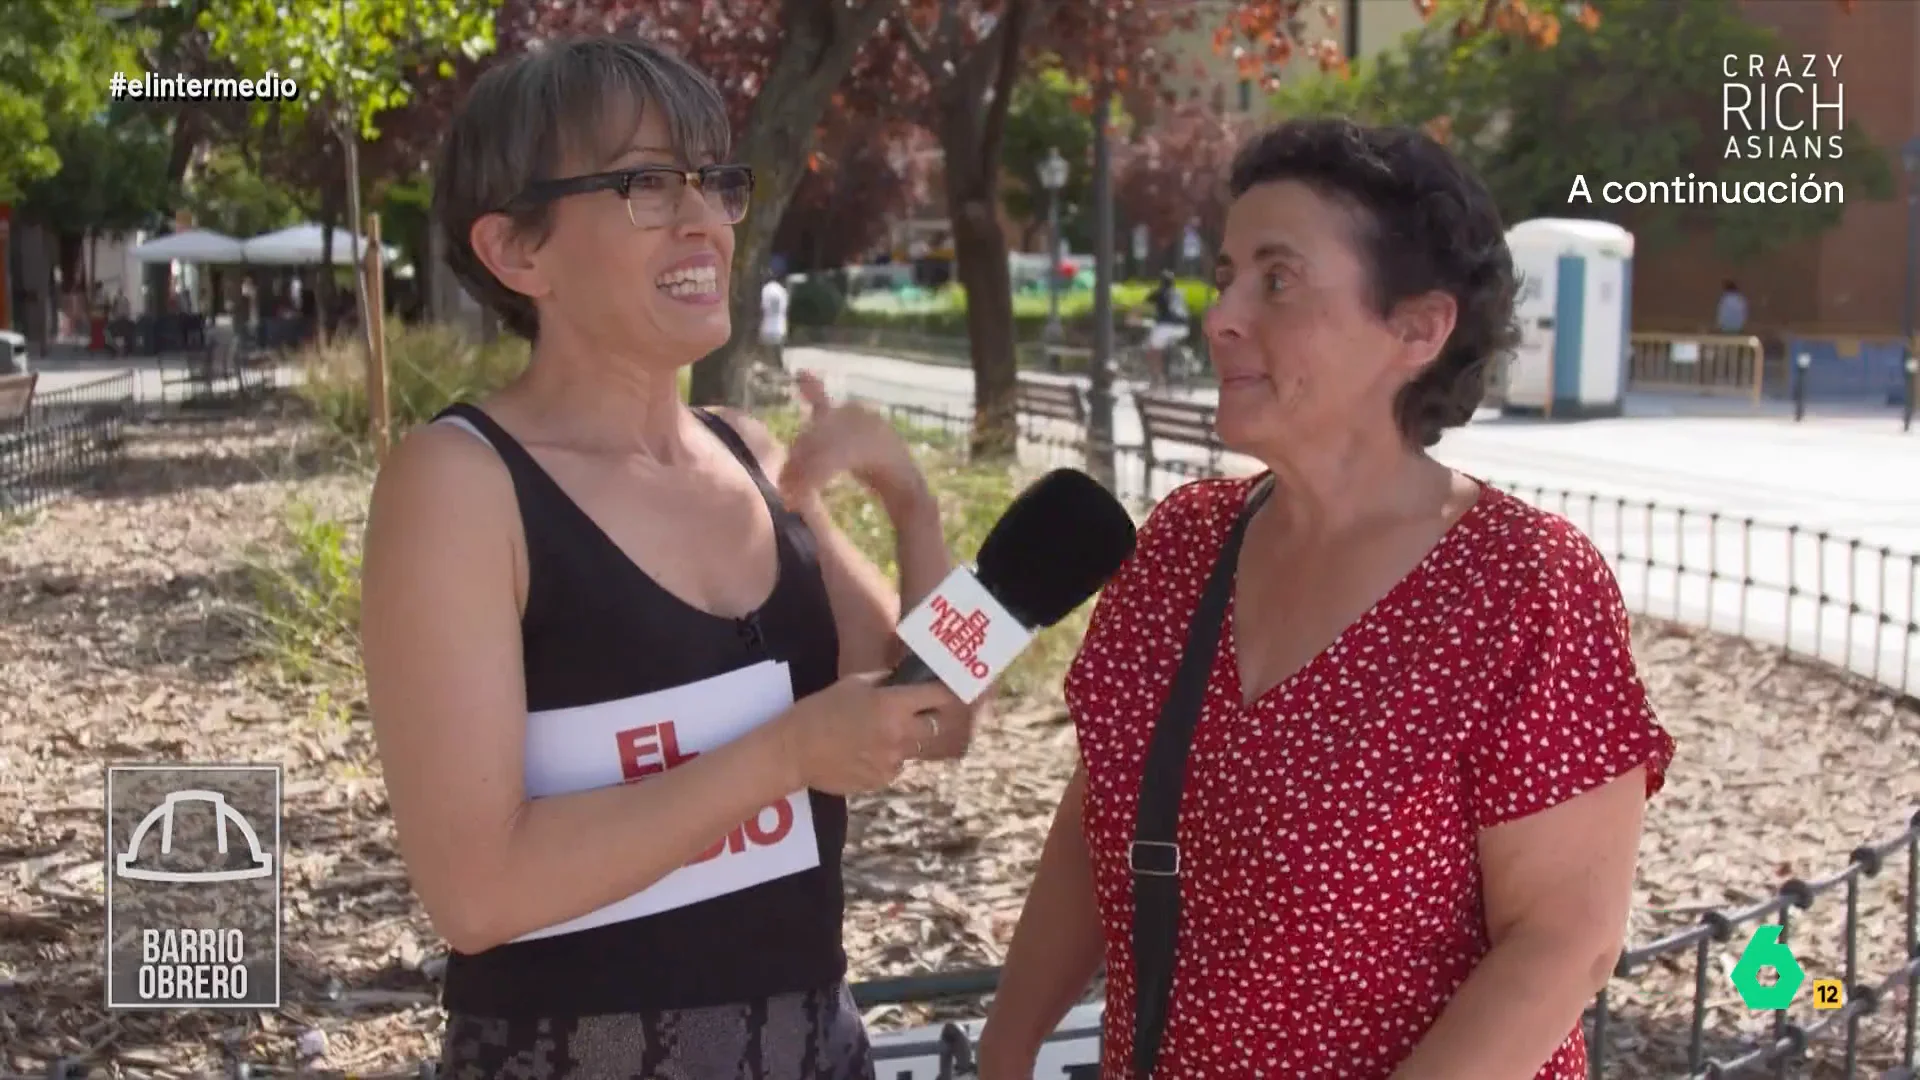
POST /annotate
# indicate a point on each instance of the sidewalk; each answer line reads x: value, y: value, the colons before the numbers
x: 1853, y: 476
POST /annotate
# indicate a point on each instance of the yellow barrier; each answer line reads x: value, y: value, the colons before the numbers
x: 1697, y: 363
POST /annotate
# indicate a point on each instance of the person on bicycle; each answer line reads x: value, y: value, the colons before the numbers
x: 1169, y: 327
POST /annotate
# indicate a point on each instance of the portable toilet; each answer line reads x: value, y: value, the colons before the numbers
x: 1576, y: 314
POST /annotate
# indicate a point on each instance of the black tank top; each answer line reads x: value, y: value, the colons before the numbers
x: 598, y: 629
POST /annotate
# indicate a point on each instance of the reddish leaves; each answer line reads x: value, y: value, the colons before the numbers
x: 1177, y: 171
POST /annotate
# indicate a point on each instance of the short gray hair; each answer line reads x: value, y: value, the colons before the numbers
x: 578, y: 98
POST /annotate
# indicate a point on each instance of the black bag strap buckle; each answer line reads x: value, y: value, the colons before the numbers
x: 1162, y: 858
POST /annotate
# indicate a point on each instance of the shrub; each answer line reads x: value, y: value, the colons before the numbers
x: 429, y: 366
x: 308, y: 600
x: 817, y: 301
x: 944, y: 313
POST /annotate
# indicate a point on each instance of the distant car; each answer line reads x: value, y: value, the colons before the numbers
x: 13, y: 353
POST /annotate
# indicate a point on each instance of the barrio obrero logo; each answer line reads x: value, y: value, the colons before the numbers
x: 193, y: 886
x: 1789, y: 109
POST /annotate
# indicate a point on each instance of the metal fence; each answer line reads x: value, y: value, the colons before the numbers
x: 62, y: 438
x: 67, y: 435
x: 1840, y: 601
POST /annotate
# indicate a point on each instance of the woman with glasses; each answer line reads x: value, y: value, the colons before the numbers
x: 618, y: 660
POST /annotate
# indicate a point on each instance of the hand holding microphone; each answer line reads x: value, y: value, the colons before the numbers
x: 856, y: 735
x: 1055, y: 546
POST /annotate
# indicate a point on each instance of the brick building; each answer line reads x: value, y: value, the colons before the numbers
x: 1848, y: 280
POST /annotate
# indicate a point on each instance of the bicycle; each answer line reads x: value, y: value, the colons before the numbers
x: 1182, y: 364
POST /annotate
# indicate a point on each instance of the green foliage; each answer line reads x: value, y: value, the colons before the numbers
x: 817, y: 301
x: 112, y: 175
x: 307, y: 600
x: 944, y: 313
x: 406, y: 216
x: 353, y: 59
x: 56, y: 57
x: 229, y: 196
x: 428, y: 368
x: 1635, y: 97
x: 1048, y: 112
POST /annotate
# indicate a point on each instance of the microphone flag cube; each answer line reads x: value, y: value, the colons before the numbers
x: 963, y: 634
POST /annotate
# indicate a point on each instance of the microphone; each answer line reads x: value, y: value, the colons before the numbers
x: 1053, y: 548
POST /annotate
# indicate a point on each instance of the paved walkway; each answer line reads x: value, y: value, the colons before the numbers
x: 1645, y: 486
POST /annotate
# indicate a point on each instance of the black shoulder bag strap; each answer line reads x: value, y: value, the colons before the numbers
x: 1155, y: 855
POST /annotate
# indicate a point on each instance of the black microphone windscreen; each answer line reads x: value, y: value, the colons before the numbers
x: 1055, y: 546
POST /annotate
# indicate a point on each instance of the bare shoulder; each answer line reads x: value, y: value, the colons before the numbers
x: 765, y: 446
x: 442, y: 496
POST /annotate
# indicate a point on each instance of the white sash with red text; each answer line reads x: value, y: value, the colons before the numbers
x: 629, y: 740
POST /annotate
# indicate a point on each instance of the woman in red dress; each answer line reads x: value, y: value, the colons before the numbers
x: 1413, y: 799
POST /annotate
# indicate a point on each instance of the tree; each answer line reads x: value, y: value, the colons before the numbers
x: 1629, y: 92
x: 230, y: 196
x: 971, y: 61
x: 353, y: 59
x: 112, y: 178
x: 1175, y: 172
x: 971, y: 56
x: 859, y: 179
x: 55, y: 59
x: 1048, y: 113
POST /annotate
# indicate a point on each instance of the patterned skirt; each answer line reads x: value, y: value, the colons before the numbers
x: 811, y: 1035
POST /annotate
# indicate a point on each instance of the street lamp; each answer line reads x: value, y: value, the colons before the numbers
x: 1053, y: 177
x: 1910, y: 157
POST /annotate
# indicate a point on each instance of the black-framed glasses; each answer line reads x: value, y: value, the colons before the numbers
x: 654, y: 194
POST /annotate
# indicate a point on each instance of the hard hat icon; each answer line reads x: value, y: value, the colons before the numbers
x: 222, y: 813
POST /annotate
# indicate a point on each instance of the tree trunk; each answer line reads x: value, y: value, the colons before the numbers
x: 980, y: 255
x: 971, y: 116
x: 349, y: 133
x: 323, y: 278
x: 822, y: 38
x: 188, y: 127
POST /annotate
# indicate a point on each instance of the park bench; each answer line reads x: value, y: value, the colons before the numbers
x: 1184, y: 423
x: 1050, y: 400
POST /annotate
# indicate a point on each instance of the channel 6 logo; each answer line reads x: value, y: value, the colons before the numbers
x: 1765, y: 950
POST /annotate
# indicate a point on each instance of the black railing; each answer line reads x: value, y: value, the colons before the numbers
x: 66, y: 436
x: 61, y: 439
x: 1789, y: 1043
x: 1845, y: 603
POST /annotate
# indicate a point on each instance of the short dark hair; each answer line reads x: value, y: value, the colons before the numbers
x: 525, y: 116
x: 1427, y: 224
